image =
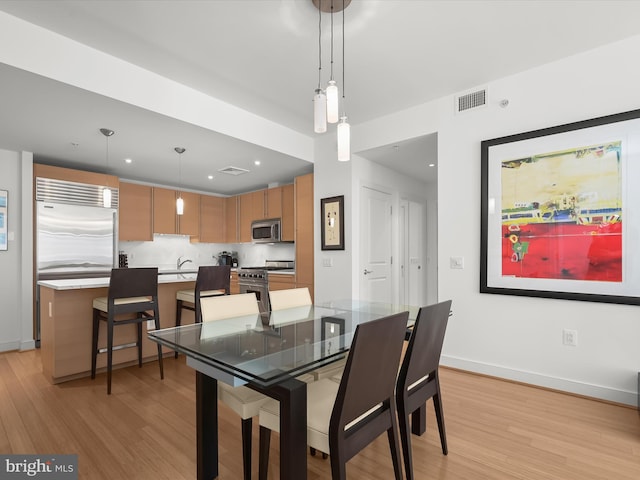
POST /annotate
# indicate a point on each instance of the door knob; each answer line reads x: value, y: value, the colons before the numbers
x: 367, y: 271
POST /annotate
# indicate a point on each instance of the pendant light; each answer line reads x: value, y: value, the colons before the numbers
x: 106, y: 191
x: 344, y: 129
x: 332, y: 87
x: 179, y: 201
x: 319, y: 99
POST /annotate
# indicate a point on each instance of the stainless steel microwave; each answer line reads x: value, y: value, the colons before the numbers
x: 266, y: 231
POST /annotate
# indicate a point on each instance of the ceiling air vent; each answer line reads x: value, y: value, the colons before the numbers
x: 233, y: 170
x: 471, y: 100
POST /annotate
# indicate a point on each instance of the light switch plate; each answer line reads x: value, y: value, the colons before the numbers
x: 456, y: 262
x: 151, y: 325
x: 327, y: 262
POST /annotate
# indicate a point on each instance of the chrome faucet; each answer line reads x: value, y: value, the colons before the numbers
x: 179, y: 263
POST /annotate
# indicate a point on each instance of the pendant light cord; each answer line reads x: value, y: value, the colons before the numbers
x: 331, y: 39
x: 319, y: 47
x: 343, y: 84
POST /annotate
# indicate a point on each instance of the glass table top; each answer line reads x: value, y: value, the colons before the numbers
x: 269, y: 347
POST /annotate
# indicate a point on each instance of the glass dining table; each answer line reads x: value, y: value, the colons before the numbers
x: 266, y: 352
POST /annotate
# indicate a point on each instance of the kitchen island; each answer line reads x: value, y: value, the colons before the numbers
x: 66, y: 319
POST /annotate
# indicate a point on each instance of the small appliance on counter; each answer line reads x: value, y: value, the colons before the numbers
x: 226, y: 258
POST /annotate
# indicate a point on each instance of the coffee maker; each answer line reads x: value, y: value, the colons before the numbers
x: 226, y: 258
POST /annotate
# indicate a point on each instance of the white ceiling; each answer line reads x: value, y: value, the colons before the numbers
x: 262, y: 56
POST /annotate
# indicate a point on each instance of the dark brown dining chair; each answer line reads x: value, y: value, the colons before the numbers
x: 418, y: 380
x: 131, y: 291
x: 344, y: 418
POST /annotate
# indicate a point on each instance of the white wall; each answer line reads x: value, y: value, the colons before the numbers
x: 16, y: 263
x: 521, y: 337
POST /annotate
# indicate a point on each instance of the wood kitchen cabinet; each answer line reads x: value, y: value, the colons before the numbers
x: 134, y: 213
x: 280, y: 204
x: 231, y: 219
x: 212, y: 219
x: 304, y: 231
x: 252, y: 207
x: 165, y: 218
x: 281, y: 281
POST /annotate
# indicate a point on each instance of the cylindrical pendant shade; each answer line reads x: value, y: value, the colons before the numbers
x: 332, y: 102
x: 179, y: 206
x: 106, y: 198
x: 344, y: 140
x: 319, y: 112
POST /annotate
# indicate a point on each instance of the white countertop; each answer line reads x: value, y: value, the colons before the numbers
x: 78, y: 283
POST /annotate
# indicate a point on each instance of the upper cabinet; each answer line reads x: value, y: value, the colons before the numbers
x: 280, y: 204
x: 134, y: 212
x: 212, y: 219
x: 231, y: 219
x: 165, y: 218
x: 252, y: 207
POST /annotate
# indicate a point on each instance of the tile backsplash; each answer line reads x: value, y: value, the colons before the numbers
x: 164, y: 251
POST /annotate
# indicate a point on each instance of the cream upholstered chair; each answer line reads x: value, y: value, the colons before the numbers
x: 131, y: 291
x: 242, y: 400
x: 344, y: 418
x: 289, y: 298
x: 300, y: 297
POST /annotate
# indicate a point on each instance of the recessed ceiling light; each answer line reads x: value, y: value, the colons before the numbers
x: 210, y: 177
x: 128, y: 160
x: 256, y: 162
x: 432, y: 164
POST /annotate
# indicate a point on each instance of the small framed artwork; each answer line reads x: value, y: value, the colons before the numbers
x: 559, y: 212
x: 3, y: 219
x: 332, y: 213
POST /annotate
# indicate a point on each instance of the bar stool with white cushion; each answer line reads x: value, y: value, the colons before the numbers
x: 131, y: 291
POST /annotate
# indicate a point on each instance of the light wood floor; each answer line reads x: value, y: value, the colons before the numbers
x: 146, y: 429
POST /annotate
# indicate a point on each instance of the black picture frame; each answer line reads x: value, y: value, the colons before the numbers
x: 332, y: 223
x: 561, y: 198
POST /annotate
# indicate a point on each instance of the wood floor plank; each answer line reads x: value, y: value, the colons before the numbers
x: 496, y: 430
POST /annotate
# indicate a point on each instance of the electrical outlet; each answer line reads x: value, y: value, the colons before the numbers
x: 151, y: 325
x: 570, y: 337
x: 456, y: 262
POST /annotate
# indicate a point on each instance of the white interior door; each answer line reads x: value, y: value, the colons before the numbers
x: 375, y: 245
x: 416, y: 255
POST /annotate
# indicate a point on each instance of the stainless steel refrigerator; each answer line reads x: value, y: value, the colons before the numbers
x: 75, y: 241
x: 76, y: 236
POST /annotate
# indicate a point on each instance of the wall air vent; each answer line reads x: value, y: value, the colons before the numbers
x: 233, y: 170
x: 471, y: 100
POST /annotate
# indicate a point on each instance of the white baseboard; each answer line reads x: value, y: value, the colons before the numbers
x: 27, y: 345
x: 532, y: 378
x: 8, y: 346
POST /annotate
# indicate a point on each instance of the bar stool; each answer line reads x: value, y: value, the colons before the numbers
x: 211, y: 281
x: 131, y: 291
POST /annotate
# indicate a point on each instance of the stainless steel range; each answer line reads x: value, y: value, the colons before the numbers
x: 256, y: 280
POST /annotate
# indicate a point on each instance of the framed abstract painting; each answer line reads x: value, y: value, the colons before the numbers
x: 560, y: 211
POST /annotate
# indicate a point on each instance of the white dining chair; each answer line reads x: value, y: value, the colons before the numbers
x: 300, y: 297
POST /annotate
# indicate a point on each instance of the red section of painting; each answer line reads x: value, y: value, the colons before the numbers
x: 564, y: 251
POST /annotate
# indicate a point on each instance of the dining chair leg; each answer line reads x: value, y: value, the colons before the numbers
x: 247, y: 424
x: 338, y: 465
x: 405, y: 440
x: 263, y: 459
x: 94, y: 342
x: 109, y: 352
x: 419, y: 420
x: 157, y: 324
x: 437, y: 403
x: 394, y: 445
